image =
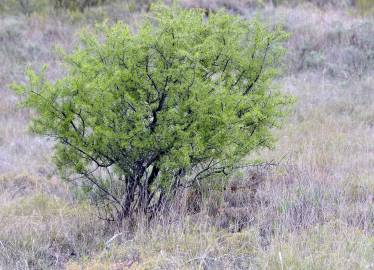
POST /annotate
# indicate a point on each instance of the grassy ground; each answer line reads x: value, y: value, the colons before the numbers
x: 313, y: 211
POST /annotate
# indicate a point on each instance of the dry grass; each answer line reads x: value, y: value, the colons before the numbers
x: 314, y: 211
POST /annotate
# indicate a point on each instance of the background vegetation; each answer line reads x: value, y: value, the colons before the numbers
x: 314, y: 210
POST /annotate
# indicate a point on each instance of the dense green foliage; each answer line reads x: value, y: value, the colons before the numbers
x: 139, y: 115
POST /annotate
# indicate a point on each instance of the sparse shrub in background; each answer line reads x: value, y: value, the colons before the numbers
x: 137, y: 5
x: 340, y: 50
x: 26, y: 7
x: 11, y: 32
x: 141, y: 115
x: 366, y: 6
x: 236, y: 6
x: 75, y: 5
x: 9, y: 38
x: 351, y: 52
x: 319, y: 3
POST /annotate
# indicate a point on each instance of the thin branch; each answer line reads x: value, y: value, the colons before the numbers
x: 248, y: 89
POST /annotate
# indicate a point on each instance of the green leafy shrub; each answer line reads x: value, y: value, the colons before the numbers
x: 140, y: 115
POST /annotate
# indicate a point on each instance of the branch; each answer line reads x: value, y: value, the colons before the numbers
x: 102, y: 165
x: 93, y: 181
x: 150, y: 76
x: 153, y: 124
x: 261, y: 69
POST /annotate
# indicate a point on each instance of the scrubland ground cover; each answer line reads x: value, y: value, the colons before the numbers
x: 314, y: 210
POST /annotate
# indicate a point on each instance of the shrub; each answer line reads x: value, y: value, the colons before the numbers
x: 140, y: 115
x: 26, y: 7
x: 318, y: 3
x: 364, y: 5
x: 74, y: 5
